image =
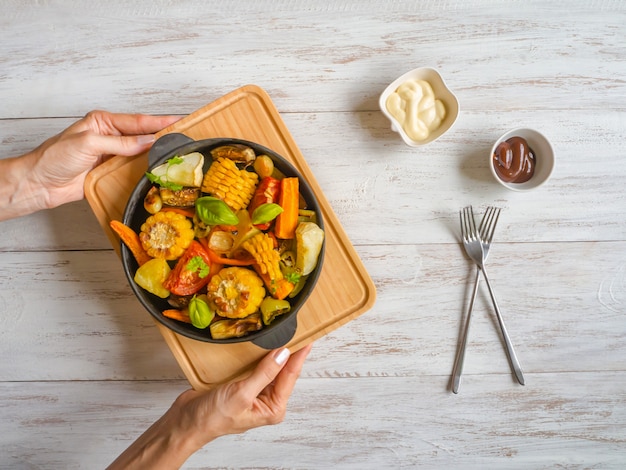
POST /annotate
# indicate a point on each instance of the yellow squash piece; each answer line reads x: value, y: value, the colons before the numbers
x: 227, y: 182
x: 235, y: 292
x: 166, y: 235
x: 151, y: 276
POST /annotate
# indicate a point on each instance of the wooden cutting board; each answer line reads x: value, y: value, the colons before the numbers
x: 344, y: 289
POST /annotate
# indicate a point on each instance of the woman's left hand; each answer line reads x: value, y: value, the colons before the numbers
x: 60, y: 165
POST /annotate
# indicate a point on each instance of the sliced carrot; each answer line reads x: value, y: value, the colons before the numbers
x: 131, y: 240
x: 180, y: 315
x: 278, y: 288
x: 289, y: 198
x: 180, y: 210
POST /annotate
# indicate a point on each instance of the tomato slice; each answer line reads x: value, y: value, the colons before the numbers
x: 191, y: 273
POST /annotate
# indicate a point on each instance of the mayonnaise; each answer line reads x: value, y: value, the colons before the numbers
x: 416, y: 109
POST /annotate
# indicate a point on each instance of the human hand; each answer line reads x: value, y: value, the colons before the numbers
x: 196, y: 418
x: 257, y: 400
x: 59, y: 165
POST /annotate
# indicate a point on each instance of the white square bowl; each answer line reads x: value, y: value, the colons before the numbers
x: 441, y: 91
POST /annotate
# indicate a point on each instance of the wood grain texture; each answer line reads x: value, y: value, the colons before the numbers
x: 85, y: 370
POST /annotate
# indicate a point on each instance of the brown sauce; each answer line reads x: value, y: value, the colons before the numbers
x: 514, y: 160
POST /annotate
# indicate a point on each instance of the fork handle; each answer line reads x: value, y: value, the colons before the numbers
x: 509, y: 346
x: 460, y: 356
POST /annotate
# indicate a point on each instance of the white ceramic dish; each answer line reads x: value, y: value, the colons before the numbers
x: 441, y: 91
x: 544, y: 158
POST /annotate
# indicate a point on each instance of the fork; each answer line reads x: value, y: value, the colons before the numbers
x: 474, y: 246
x: 490, y: 213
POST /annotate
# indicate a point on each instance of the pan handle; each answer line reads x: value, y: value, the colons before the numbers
x: 166, y: 144
x: 279, y: 337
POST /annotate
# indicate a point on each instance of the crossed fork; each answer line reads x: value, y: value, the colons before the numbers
x: 477, y: 243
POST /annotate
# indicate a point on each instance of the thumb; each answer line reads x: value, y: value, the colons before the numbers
x: 266, y: 371
x: 126, y: 145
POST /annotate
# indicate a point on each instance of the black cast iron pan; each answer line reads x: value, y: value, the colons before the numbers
x: 279, y: 332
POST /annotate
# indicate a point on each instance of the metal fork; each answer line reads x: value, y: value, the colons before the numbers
x: 474, y: 247
x: 491, y: 213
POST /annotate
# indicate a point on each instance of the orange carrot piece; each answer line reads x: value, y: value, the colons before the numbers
x: 289, y: 199
x: 180, y: 315
x: 131, y: 240
x: 180, y: 210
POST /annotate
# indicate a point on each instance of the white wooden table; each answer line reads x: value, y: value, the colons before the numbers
x: 84, y: 370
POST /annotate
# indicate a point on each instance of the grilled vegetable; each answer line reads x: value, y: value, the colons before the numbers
x: 230, y: 184
x: 191, y: 272
x: 271, y: 308
x: 151, y: 276
x: 175, y: 314
x: 245, y: 230
x: 131, y: 240
x: 278, y: 288
x: 309, y: 239
x: 179, y: 171
x: 261, y: 247
x: 266, y: 192
x: 264, y: 166
x: 224, y: 329
x: 289, y: 200
x: 166, y: 235
x: 220, y: 241
x: 235, y: 292
x: 224, y: 261
x: 185, y: 197
x: 199, y: 312
x: 236, y: 152
x: 267, y: 265
x: 153, y: 202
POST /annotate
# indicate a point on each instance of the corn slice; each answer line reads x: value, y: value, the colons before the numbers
x: 261, y: 247
x: 226, y: 181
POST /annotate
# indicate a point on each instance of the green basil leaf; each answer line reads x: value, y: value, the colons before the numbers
x: 214, y: 211
x: 266, y: 213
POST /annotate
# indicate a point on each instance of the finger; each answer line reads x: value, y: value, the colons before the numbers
x: 118, y: 145
x: 105, y: 123
x: 265, y: 372
x: 135, y: 124
x: 286, y: 379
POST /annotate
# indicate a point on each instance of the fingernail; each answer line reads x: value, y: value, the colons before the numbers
x: 145, y: 139
x: 282, y: 356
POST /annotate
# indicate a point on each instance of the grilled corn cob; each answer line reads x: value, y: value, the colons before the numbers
x: 235, y: 292
x: 232, y: 185
x: 261, y: 247
x: 166, y: 235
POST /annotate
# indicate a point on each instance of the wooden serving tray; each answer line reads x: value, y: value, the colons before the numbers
x: 344, y: 289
